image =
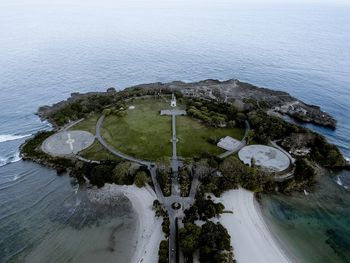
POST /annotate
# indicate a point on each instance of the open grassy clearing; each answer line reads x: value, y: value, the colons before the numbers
x: 96, y: 152
x: 193, y: 137
x: 142, y: 133
x: 88, y: 124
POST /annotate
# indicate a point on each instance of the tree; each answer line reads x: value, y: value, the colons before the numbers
x: 163, y: 251
x: 106, y: 112
x: 141, y: 179
x: 215, y: 244
x: 121, y: 173
x: 189, y: 236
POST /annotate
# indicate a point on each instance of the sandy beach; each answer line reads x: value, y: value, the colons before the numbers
x: 250, y: 236
x: 148, y: 232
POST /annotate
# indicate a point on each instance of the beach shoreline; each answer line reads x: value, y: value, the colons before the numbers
x: 148, y: 231
x: 251, y: 238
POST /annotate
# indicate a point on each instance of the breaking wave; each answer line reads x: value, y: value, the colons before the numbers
x: 10, y: 159
x: 10, y: 137
x: 340, y: 182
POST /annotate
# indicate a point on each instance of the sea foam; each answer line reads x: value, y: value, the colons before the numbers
x: 11, y: 137
x: 11, y: 159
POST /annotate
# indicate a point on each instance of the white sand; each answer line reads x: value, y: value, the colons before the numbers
x: 250, y: 236
x: 149, y: 231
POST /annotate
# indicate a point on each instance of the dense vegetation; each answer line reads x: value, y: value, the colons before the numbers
x: 266, y: 128
x: 212, y: 240
x: 118, y: 172
x: 217, y: 114
x: 185, y: 179
x: 161, y: 212
x: 203, y: 209
x: 163, y: 253
x: 164, y: 177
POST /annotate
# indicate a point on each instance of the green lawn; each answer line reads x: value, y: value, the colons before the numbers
x: 96, y: 152
x: 88, y: 124
x: 142, y: 133
x: 193, y: 137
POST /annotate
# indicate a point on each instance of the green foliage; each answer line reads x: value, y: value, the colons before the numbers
x: 161, y: 212
x: 189, y: 236
x: 163, y: 252
x: 141, y: 179
x: 304, y: 171
x: 106, y: 112
x: 164, y: 178
x: 122, y: 175
x: 215, y: 244
x: 101, y: 174
x: 185, y: 180
x: 269, y: 127
x: 212, y: 240
x: 31, y: 148
x: 203, y: 209
x: 215, y: 113
x: 326, y: 154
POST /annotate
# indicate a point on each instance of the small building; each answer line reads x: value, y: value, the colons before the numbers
x: 173, y: 101
x: 228, y: 143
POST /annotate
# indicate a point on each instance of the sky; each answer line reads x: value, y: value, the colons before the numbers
x: 172, y: 2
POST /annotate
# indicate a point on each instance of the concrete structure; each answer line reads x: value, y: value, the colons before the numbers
x: 173, y: 101
x: 67, y: 143
x: 173, y: 112
x: 228, y: 143
x: 265, y: 156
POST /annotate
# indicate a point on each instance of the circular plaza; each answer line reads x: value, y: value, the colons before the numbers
x: 67, y: 142
x: 264, y: 156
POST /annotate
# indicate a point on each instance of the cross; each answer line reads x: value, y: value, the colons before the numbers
x: 70, y: 141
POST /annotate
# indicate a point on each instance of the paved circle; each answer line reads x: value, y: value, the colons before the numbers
x: 264, y: 156
x: 67, y: 142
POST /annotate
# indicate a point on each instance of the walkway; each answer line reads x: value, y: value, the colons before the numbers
x: 185, y: 202
x: 113, y: 150
x: 240, y: 146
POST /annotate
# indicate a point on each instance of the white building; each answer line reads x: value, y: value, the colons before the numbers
x: 228, y: 143
x: 173, y: 101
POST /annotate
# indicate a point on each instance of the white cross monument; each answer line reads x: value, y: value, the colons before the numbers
x: 70, y: 141
x: 173, y: 101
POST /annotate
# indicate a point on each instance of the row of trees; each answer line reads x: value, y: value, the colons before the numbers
x: 121, y: 173
x: 164, y: 177
x: 161, y: 212
x: 215, y: 113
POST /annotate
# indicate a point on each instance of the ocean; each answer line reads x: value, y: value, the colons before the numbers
x: 51, y: 49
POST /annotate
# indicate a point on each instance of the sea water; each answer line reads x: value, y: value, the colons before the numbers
x: 49, y: 49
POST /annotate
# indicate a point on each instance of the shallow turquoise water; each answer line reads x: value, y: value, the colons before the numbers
x: 313, y: 227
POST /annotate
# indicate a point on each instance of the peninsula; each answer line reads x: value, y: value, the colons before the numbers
x: 197, y: 153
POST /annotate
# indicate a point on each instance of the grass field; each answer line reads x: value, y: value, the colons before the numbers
x: 145, y: 134
x: 96, y: 152
x: 142, y: 133
x: 193, y: 137
x: 88, y: 124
